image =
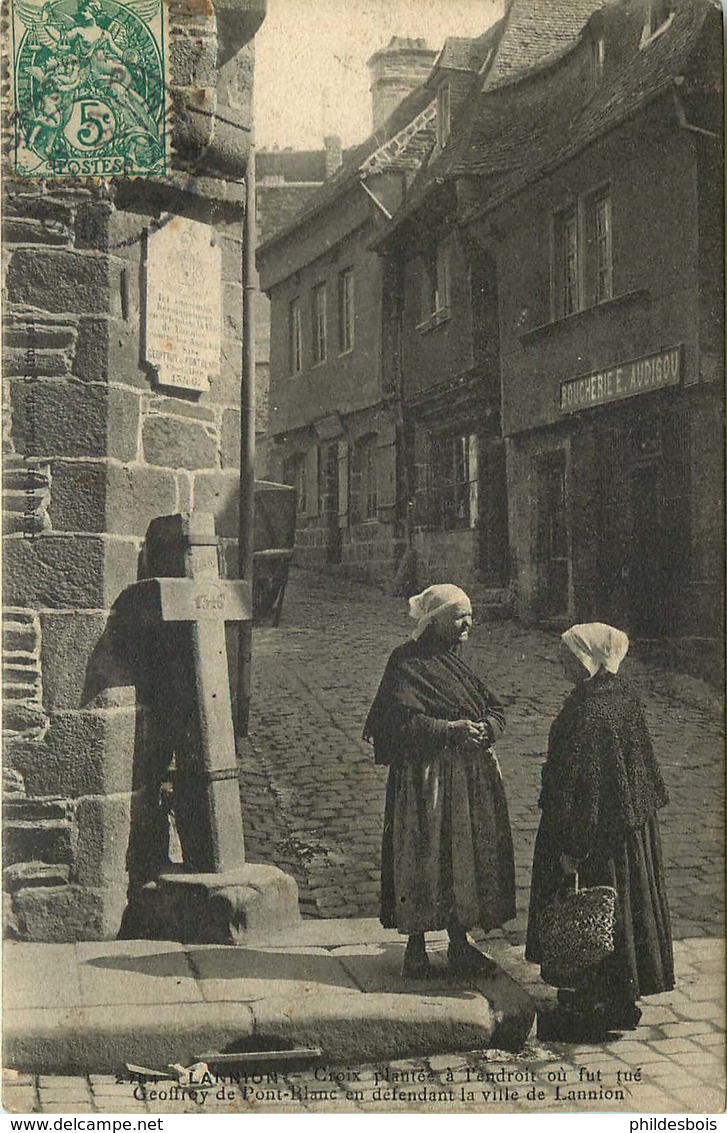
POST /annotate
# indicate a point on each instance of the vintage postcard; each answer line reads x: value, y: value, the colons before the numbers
x: 363, y: 630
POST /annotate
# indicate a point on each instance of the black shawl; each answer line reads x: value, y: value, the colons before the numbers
x: 601, y: 778
x: 421, y: 679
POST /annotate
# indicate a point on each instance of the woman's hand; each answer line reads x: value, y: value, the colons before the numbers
x: 470, y: 733
x: 568, y: 865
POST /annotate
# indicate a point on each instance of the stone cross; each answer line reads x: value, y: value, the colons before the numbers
x: 207, y: 790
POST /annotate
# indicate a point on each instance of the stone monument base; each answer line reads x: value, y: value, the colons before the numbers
x: 214, y: 908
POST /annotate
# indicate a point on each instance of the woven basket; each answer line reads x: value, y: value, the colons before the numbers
x: 576, y: 931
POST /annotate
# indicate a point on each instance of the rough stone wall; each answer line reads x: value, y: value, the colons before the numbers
x: 93, y: 450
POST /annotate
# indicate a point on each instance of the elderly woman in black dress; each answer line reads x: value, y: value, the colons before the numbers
x: 447, y: 857
x: 602, y: 788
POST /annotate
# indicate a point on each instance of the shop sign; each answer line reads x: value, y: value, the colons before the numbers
x: 625, y: 380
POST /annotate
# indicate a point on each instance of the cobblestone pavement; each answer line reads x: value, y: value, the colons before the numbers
x: 314, y: 798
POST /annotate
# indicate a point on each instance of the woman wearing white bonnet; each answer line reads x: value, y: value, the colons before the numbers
x: 602, y: 789
x: 447, y: 856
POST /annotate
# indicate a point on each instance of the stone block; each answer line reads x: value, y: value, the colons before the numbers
x: 396, y: 1025
x: 91, y: 228
x: 232, y: 251
x: 165, y: 405
x: 184, y: 492
x: 232, y: 310
x: 38, y: 336
x: 192, y: 115
x: 218, y: 492
x: 68, y: 418
x: 26, y: 873
x: 174, y: 443
x: 69, y: 638
x: 230, y: 438
x: 122, y: 362
x: 70, y: 1041
x: 225, y: 389
x: 46, y: 839
x: 31, y: 982
x: 103, y: 840
x: 42, y: 363
x: 83, y: 753
x: 193, y: 61
x: 59, y: 913
x: 39, y: 208
x: 230, y: 146
x: 236, y: 974
x: 90, y: 361
x: 30, y: 809
x: 23, y: 231
x: 59, y: 280
x: 228, y: 908
x: 19, y: 718
x: 78, y: 500
x: 119, y: 499
x: 62, y: 571
x: 137, y: 966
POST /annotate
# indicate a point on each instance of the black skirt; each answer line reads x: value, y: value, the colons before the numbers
x: 643, y: 960
x: 447, y: 854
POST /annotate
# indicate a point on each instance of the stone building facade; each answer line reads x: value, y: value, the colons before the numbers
x: 611, y: 314
x: 443, y: 357
x: 94, y: 448
x: 333, y: 427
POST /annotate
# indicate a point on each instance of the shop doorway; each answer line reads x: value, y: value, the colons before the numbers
x: 334, y: 535
x: 552, y: 551
x: 494, y: 557
x: 648, y: 567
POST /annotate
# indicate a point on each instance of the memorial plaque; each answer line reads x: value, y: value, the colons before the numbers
x: 184, y: 304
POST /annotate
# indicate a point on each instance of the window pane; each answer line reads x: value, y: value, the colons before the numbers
x: 319, y: 323
x: 429, y: 287
x: 570, y: 264
x: 604, y: 289
x: 345, y: 309
x: 442, y: 296
x: 295, y: 361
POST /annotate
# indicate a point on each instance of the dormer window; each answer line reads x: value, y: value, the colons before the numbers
x: 598, y: 59
x: 443, y: 111
x: 658, y: 18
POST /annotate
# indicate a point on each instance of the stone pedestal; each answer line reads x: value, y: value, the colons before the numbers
x: 227, y: 908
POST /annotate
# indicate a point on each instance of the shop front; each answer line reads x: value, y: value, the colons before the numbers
x: 618, y: 503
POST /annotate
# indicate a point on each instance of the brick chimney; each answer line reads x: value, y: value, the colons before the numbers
x: 334, y: 154
x: 395, y: 71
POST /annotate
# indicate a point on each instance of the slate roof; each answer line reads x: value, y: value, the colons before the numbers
x: 515, y: 133
x: 535, y: 31
x: 509, y: 133
x: 461, y: 53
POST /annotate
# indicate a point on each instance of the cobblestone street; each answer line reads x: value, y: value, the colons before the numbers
x: 314, y: 798
x: 314, y: 805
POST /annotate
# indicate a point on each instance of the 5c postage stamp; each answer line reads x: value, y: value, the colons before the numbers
x: 90, y: 88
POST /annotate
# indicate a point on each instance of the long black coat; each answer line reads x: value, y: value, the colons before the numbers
x: 602, y: 788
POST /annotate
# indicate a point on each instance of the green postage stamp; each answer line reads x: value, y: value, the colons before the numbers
x: 90, y: 88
